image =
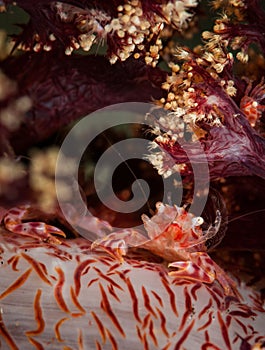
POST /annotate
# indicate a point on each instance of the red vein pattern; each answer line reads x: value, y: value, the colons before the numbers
x: 58, y: 290
x: 38, y: 315
x: 17, y: 284
x: 57, y: 328
x: 66, y: 297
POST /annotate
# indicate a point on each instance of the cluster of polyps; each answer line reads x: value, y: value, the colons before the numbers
x: 131, y: 27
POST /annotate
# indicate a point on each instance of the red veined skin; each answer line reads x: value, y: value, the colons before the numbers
x: 75, y: 298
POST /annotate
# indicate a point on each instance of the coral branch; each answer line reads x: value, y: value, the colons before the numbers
x: 63, y: 89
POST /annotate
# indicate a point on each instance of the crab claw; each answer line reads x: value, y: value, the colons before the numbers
x: 38, y: 230
x: 116, y: 243
x: 203, y: 269
x: 48, y: 232
x: 54, y: 230
x: 41, y: 231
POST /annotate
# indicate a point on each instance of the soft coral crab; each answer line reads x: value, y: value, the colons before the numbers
x: 172, y: 233
x: 175, y: 235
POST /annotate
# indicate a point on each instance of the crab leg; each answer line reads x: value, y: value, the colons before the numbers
x: 202, y: 268
x: 116, y: 243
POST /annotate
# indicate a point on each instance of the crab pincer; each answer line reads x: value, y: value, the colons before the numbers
x: 13, y: 221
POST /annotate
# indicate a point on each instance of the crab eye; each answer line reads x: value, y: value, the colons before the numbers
x: 159, y: 205
x: 197, y: 221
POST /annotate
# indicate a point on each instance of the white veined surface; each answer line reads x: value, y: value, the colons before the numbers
x: 65, y: 297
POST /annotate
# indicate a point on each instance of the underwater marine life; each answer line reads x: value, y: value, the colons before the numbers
x: 176, y: 236
x: 165, y: 277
